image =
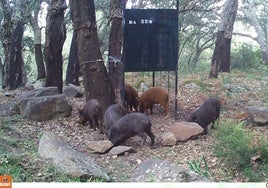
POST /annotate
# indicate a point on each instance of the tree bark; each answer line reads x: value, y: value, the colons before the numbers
x: 115, y: 44
x: 55, y: 37
x: 41, y: 73
x: 221, y: 55
x: 72, y: 73
x: 250, y: 11
x: 95, y: 77
x: 1, y: 73
x: 16, y: 61
x: 6, y: 40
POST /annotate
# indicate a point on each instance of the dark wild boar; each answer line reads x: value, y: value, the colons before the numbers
x: 207, y: 113
x: 91, y: 113
x: 154, y: 95
x: 112, y: 114
x: 131, y: 98
x: 132, y: 124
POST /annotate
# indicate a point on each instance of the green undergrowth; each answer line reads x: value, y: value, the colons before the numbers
x: 236, y: 146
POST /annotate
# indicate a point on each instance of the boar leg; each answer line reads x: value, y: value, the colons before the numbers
x: 143, y: 136
x: 151, y: 135
x: 205, y: 130
x: 91, y: 124
x: 151, y: 109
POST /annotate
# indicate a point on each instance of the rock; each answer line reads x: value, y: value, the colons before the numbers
x: 39, y: 83
x: 68, y: 160
x: 155, y: 170
x: 168, y: 139
x: 191, y: 86
x: 99, y: 146
x: 72, y: 91
x: 120, y: 150
x: 235, y: 88
x: 185, y: 130
x: 9, y: 109
x: 258, y: 115
x: 44, y: 108
x: 40, y: 92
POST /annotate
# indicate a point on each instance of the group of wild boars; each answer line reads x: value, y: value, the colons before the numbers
x: 154, y: 95
x: 91, y: 113
x: 131, y: 98
x: 207, y: 113
x: 119, y: 125
x: 130, y: 125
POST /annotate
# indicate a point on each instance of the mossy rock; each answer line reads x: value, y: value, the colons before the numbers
x: 197, y: 82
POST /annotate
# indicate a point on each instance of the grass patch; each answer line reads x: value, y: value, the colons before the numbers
x: 199, y: 83
x: 234, y: 146
x: 200, y: 167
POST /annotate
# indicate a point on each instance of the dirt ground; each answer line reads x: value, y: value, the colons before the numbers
x: 235, y: 94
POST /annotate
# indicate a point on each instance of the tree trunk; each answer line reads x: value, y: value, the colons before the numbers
x: 115, y: 43
x: 95, y: 77
x: 1, y: 73
x: 73, y: 69
x: 55, y: 37
x: 6, y: 40
x: 221, y: 55
x: 250, y: 11
x: 16, y: 61
x: 41, y: 73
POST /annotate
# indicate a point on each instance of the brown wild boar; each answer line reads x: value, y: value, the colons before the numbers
x: 112, y: 114
x: 91, y: 113
x: 154, y: 95
x: 131, y: 124
x: 131, y: 98
x: 207, y: 113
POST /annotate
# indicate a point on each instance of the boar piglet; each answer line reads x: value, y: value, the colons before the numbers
x: 131, y: 98
x: 154, y: 95
x: 207, y: 113
x: 130, y: 125
x: 112, y: 114
x: 91, y: 113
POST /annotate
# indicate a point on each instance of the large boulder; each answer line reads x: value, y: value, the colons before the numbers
x: 44, y: 108
x: 258, y: 115
x: 68, y: 160
x: 72, y: 91
x: 155, y: 170
x: 9, y: 109
x: 185, y: 130
x: 40, y: 92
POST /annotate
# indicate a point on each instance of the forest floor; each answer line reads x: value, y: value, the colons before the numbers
x: 235, y: 91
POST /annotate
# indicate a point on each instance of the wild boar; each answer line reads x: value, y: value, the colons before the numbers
x: 131, y: 98
x: 131, y: 124
x: 207, y: 113
x: 154, y: 95
x: 91, y: 113
x: 112, y: 114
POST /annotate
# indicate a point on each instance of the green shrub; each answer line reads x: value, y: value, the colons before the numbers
x: 245, y: 57
x: 234, y: 146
